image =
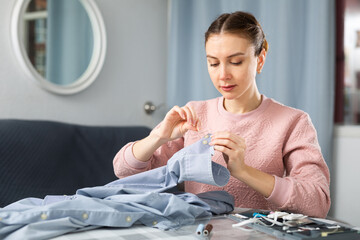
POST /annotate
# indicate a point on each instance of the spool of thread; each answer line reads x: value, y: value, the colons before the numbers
x: 200, y: 229
x: 207, y: 229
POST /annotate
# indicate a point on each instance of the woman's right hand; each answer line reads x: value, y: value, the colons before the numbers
x: 176, y: 123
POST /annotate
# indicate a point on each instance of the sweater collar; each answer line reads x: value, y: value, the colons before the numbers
x: 261, y: 108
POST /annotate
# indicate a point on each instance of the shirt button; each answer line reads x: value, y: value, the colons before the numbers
x: 206, y: 136
x: 128, y: 219
x: 85, y: 216
x: 154, y: 223
x: 43, y: 216
x: 205, y: 142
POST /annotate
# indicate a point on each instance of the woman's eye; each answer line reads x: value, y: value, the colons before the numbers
x: 214, y: 64
x: 236, y: 63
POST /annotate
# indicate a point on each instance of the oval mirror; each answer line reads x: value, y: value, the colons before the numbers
x: 60, y: 44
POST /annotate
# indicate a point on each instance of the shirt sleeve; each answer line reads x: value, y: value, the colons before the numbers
x: 305, y: 188
x: 125, y: 163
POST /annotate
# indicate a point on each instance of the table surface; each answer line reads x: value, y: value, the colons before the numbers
x: 222, y: 229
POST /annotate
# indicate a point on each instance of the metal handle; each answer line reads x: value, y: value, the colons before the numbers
x: 149, y: 107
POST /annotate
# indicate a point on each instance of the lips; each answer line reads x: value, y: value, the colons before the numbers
x: 228, y: 88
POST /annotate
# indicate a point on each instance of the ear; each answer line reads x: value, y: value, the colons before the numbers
x: 261, y: 60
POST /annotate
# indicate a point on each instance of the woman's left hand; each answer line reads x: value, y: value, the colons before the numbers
x: 233, y: 148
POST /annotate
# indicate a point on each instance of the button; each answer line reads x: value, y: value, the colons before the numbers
x: 205, y: 142
x: 128, y: 219
x: 154, y: 223
x: 43, y: 216
x: 207, y: 136
x: 85, y: 216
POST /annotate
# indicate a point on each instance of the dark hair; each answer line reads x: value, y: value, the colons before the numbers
x: 242, y: 23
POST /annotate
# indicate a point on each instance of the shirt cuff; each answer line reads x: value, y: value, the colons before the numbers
x: 281, y: 192
x: 131, y: 160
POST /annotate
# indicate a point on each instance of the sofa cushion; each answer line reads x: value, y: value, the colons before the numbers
x: 40, y: 158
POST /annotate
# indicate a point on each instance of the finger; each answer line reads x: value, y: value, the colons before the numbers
x: 223, y: 149
x: 189, y: 126
x: 196, y: 121
x: 225, y: 152
x: 229, y: 153
x: 198, y: 125
x: 227, y: 143
x: 228, y: 140
x: 229, y: 136
x: 189, y: 116
x: 194, y: 116
x: 180, y: 111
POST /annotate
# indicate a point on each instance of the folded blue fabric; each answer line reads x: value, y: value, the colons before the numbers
x: 149, y: 198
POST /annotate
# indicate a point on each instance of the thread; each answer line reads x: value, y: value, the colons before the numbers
x: 200, y: 229
x: 207, y: 229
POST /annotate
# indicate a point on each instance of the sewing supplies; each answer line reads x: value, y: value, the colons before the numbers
x: 292, y: 225
x: 204, y: 231
x: 207, y: 230
x: 200, y: 229
x: 258, y: 215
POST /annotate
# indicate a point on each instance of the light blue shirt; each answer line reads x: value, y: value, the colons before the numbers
x: 148, y: 198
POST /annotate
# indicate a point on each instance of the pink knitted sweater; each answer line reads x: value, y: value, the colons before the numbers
x: 280, y: 141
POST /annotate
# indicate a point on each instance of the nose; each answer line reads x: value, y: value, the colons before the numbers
x: 224, y: 72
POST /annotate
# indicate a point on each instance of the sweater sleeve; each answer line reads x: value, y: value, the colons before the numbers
x: 305, y: 186
x: 125, y: 163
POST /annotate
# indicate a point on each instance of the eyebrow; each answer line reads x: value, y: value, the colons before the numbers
x: 232, y: 55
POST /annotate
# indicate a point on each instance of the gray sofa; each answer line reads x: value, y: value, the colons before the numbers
x: 39, y: 158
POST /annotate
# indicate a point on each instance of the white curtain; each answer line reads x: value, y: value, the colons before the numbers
x: 299, y: 70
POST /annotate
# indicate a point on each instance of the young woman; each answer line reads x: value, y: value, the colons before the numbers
x: 271, y: 150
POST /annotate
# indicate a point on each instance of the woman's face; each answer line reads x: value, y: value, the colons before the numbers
x: 232, y: 65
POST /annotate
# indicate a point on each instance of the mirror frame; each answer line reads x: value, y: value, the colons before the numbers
x: 96, y: 61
